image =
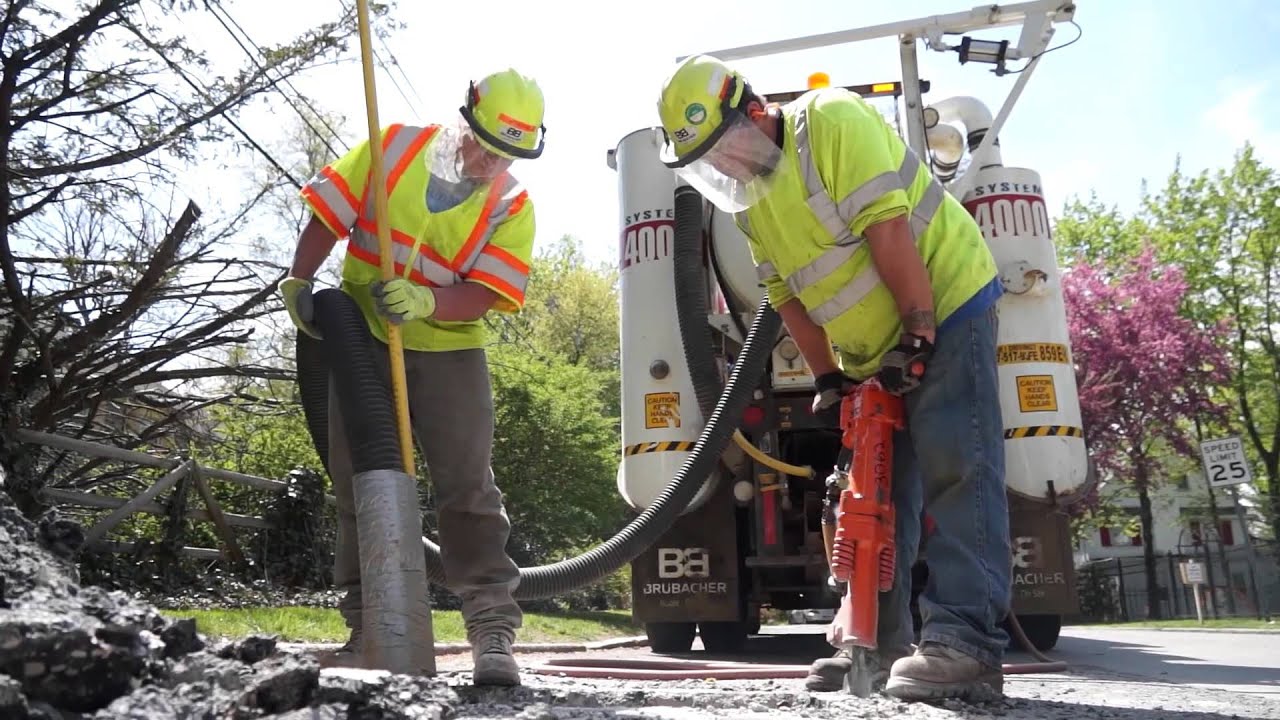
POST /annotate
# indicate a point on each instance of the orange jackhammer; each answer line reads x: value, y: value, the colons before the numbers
x: 859, y: 530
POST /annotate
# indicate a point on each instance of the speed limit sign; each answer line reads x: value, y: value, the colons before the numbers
x: 1225, y: 462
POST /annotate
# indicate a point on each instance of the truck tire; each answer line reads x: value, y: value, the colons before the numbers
x: 1041, y: 630
x: 670, y: 637
x: 723, y: 637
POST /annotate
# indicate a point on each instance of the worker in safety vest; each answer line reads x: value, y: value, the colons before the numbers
x: 462, y: 229
x: 860, y: 247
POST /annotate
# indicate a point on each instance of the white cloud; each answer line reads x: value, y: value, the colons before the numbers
x: 1240, y: 116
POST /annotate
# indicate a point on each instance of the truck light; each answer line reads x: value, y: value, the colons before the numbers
x: 753, y: 415
x: 819, y: 80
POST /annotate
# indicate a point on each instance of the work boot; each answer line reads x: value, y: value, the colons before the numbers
x: 495, y: 664
x: 349, y: 655
x: 937, y: 671
x: 828, y: 674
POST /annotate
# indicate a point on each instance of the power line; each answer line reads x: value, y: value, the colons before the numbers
x: 319, y: 116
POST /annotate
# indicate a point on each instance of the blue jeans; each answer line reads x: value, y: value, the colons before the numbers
x: 949, y: 462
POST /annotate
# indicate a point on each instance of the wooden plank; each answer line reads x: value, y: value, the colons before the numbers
x: 93, y: 449
x: 103, y: 526
x: 219, y: 520
x: 124, y: 547
x: 73, y: 497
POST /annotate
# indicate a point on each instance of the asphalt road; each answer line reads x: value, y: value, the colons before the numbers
x: 1236, y: 662
x: 1112, y: 675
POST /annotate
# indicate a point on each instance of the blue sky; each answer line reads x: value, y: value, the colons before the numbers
x: 1147, y: 80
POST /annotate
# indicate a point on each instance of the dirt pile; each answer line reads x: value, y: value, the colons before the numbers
x: 72, y: 652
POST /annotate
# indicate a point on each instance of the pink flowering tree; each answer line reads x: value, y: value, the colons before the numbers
x: 1145, y: 372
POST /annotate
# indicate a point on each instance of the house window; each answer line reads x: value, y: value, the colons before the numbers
x: 1227, y: 532
x: 1106, y: 534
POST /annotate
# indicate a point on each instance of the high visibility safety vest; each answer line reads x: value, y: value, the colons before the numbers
x: 486, y: 239
x: 807, y: 244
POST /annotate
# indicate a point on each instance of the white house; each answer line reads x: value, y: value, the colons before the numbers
x: 1184, y: 529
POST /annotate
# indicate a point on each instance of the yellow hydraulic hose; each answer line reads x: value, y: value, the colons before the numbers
x: 394, y: 344
x: 764, y: 459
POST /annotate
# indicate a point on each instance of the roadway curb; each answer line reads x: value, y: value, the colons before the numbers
x: 1223, y: 631
x: 456, y: 648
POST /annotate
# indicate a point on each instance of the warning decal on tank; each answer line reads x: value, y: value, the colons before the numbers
x: 1043, y: 431
x: 661, y: 410
x: 1032, y: 352
x: 664, y: 446
x: 1036, y: 393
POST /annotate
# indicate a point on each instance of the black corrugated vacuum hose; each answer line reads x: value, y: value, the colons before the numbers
x: 346, y: 336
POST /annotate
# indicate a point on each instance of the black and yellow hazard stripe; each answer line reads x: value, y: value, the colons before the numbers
x: 1043, y: 431
x: 663, y: 446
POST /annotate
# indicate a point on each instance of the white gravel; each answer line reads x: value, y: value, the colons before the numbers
x: 1085, y: 692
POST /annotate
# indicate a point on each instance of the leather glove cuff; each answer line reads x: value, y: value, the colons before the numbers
x: 834, y: 380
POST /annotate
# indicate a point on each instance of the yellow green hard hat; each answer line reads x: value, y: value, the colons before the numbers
x: 504, y: 110
x: 695, y: 105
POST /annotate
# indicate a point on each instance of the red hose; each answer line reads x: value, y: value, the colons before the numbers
x: 671, y: 669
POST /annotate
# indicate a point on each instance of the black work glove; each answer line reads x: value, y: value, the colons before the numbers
x: 831, y: 389
x: 903, y: 367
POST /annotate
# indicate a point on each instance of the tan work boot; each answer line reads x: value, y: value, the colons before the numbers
x: 828, y: 674
x: 937, y: 671
x: 495, y: 663
x: 349, y: 655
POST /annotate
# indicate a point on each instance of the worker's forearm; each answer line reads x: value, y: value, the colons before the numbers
x: 809, y: 337
x: 464, y: 302
x: 903, y: 272
x: 314, y: 245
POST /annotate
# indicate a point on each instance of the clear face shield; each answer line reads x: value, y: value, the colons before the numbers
x: 738, y: 170
x: 457, y: 157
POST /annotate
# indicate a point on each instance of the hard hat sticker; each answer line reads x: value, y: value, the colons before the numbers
x: 695, y: 113
x: 685, y: 135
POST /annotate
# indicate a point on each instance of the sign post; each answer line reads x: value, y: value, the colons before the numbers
x: 1192, y: 572
x: 1225, y: 465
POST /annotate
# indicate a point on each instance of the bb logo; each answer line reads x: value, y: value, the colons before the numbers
x: 513, y: 132
x: 683, y: 562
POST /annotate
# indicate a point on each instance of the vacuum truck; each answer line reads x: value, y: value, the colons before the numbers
x: 751, y: 538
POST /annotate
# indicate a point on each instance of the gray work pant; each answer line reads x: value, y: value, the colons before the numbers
x: 451, y: 411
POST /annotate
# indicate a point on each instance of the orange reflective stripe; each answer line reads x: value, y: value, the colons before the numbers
x: 498, y: 283
x: 506, y: 257
x: 516, y: 123
x: 507, y: 276
x: 404, y: 152
x: 518, y: 202
x: 471, y: 247
x: 369, y: 258
x: 322, y: 208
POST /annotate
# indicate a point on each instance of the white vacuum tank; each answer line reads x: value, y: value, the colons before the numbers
x: 661, y: 420
x: 1045, y: 453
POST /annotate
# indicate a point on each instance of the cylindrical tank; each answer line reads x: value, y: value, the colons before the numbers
x: 661, y: 420
x: 733, y: 255
x: 1044, y: 441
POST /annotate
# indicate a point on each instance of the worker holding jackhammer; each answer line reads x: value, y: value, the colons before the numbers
x: 860, y: 247
x: 462, y: 232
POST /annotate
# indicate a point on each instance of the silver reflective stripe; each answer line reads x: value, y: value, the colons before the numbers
x: 400, y: 253
x: 398, y: 146
x: 509, y: 190
x: 500, y: 269
x: 766, y: 270
x: 819, y: 200
x: 822, y: 266
x: 333, y: 198
x: 836, y: 218
x: 848, y: 296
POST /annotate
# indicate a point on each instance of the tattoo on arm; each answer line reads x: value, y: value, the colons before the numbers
x: 918, y: 321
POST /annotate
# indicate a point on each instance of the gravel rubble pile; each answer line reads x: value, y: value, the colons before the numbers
x: 72, y: 652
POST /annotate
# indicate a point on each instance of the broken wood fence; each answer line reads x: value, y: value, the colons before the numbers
x: 180, y: 470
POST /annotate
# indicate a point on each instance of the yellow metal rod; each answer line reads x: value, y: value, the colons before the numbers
x: 394, y: 344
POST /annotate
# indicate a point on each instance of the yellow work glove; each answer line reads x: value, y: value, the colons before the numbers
x: 400, y: 300
x: 297, y: 300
